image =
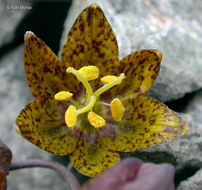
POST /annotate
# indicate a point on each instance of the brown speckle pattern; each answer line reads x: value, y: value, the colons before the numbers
x: 146, y: 122
x: 94, y: 155
x: 42, y: 123
x: 91, y: 41
x: 141, y: 69
x: 45, y: 74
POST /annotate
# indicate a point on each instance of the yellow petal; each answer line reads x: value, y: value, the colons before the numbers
x: 89, y: 72
x: 141, y: 69
x: 91, y: 41
x: 96, y: 120
x: 109, y: 78
x: 93, y: 157
x: 42, y: 123
x: 146, y: 122
x: 45, y: 74
x: 63, y: 96
x: 117, y: 109
x: 71, y: 117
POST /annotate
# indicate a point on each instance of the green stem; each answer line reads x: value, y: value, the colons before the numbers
x: 109, y: 85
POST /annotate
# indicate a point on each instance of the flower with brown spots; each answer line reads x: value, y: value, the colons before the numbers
x: 90, y: 105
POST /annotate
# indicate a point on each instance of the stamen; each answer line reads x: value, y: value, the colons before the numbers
x: 109, y: 85
x: 96, y: 120
x: 63, y: 96
x: 117, y: 109
x: 89, y: 72
x: 71, y: 117
x: 109, y: 78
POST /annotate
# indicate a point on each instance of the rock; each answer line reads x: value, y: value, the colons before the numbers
x: 194, y: 107
x: 14, y: 95
x: 193, y: 183
x: 170, y: 26
x: 14, y: 92
x: 10, y: 12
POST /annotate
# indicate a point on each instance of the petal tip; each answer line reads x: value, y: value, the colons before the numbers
x: 28, y: 34
x: 94, y: 5
x: 185, y: 129
x: 17, y: 129
x: 159, y: 54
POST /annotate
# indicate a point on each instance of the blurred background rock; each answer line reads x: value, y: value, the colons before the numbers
x: 172, y: 26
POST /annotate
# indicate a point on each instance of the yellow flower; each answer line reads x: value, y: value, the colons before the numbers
x: 74, y: 113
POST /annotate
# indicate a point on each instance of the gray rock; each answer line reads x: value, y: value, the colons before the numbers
x: 194, y: 107
x: 10, y: 16
x: 193, y: 183
x: 14, y: 94
x: 170, y: 26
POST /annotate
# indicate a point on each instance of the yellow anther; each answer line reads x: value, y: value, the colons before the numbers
x: 117, y: 109
x: 71, y: 117
x: 109, y: 78
x: 89, y: 72
x: 63, y: 96
x: 96, y: 120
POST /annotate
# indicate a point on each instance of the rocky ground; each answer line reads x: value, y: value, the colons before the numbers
x: 172, y: 26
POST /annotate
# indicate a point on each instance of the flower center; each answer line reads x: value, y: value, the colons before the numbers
x: 84, y: 75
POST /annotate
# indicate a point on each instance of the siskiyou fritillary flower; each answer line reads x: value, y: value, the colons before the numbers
x: 90, y: 105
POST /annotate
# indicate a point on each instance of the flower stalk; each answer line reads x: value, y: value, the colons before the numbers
x: 69, y: 177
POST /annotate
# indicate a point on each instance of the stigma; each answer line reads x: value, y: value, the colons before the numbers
x: 85, y: 74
